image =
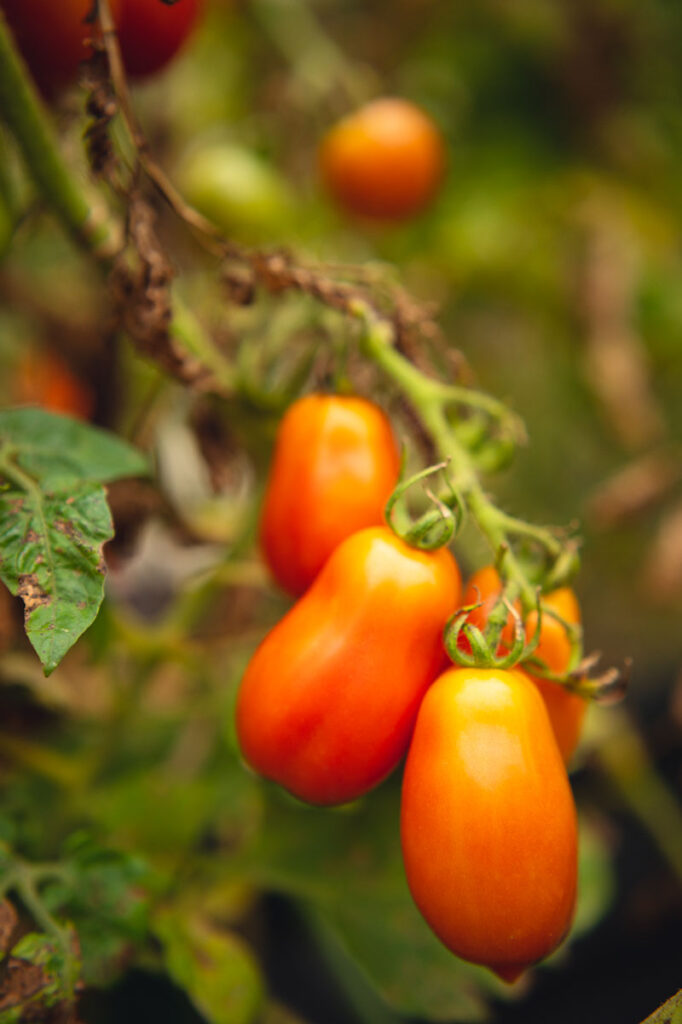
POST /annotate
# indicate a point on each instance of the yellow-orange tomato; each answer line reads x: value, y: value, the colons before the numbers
x: 335, y: 464
x: 488, y: 822
x: 385, y: 160
x: 328, y: 702
x: 566, y: 710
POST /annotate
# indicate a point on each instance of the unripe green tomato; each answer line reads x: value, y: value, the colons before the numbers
x: 236, y: 189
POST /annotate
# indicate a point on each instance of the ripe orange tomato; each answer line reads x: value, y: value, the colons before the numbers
x: 335, y: 464
x: 52, y: 37
x: 328, y: 701
x: 43, y: 378
x: 488, y: 822
x: 385, y: 160
x: 566, y: 710
x: 151, y: 32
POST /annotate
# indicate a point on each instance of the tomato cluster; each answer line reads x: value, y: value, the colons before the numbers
x: 351, y: 680
x: 54, y: 36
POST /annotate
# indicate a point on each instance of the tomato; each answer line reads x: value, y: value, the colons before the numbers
x: 566, y: 710
x: 43, y: 378
x: 385, y: 160
x: 488, y: 822
x: 237, y: 189
x: 335, y: 464
x: 52, y: 37
x: 151, y: 32
x: 328, y: 701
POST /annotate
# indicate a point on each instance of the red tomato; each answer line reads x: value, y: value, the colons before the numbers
x: 328, y: 701
x: 51, y: 35
x: 488, y: 822
x: 385, y: 160
x: 151, y: 32
x: 566, y: 710
x: 335, y: 464
x: 43, y: 378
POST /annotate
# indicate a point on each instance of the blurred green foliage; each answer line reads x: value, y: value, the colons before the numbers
x: 554, y: 258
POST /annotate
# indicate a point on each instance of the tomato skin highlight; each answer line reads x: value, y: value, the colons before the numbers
x: 566, y: 710
x: 488, y: 822
x: 384, y: 161
x: 329, y: 699
x: 151, y: 32
x: 51, y: 35
x: 335, y: 465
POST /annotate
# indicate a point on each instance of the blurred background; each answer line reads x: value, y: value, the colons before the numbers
x: 552, y: 255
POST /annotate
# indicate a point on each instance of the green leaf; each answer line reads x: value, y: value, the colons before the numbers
x: 212, y: 965
x: 34, y: 980
x: 669, y: 1013
x: 54, y: 519
x: 51, y: 447
x: 596, y: 882
x: 51, y: 556
x: 102, y: 892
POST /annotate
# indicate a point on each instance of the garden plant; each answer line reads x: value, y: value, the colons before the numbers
x: 312, y: 314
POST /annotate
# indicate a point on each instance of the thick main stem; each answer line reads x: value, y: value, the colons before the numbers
x: 22, y: 110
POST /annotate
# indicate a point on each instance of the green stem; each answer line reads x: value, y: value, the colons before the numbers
x: 22, y: 109
x: 428, y: 398
x: 21, y: 879
x: 187, y: 329
x: 8, y: 188
x: 318, y: 63
x: 538, y: 533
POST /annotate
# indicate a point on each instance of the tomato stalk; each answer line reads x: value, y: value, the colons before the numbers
x: 24, y: 879
x: 319, y: 65
x: 97, y: 232
x: 431, y: 399
x: 22, y: 110
x: 436, y: 527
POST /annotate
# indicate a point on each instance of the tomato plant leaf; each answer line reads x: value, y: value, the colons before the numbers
x: 103, y: 892
x: 34, y: 980
x: 212, y: 965
x: 49, y: 447
x: 54, y: 520
x: 669, y: 1013
x: 51, y: 556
